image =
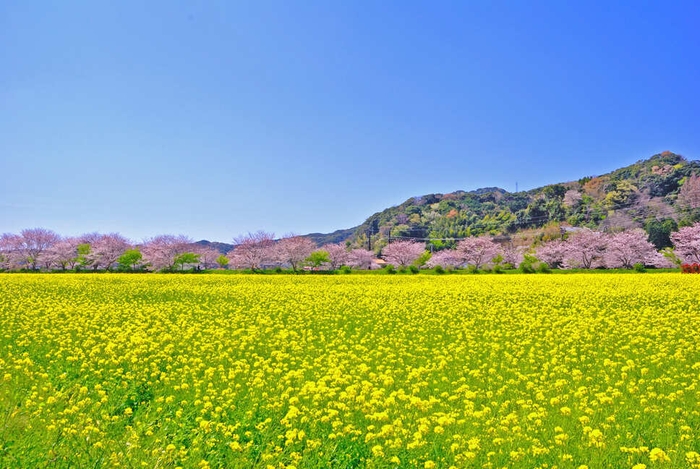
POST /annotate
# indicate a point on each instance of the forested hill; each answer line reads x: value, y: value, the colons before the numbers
x: 657, y: 194
x: 338, y: 236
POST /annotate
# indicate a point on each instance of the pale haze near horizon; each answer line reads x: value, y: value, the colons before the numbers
x: 213, y: 119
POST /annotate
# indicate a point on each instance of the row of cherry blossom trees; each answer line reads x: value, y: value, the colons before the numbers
x: 42, y: 249
x: 476, y: 252
x: 582, y: 249
x: 39, y: 248
x: 260, y: 250
x: 589, y: 249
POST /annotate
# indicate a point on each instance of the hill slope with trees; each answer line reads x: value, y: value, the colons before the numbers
x: 659, y: 195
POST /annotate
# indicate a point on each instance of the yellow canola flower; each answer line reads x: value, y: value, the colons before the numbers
x: 658, y: 455
x: 287, y: 370
x: 693, y: 459
x: 377, y: 450
x: 595, y: 438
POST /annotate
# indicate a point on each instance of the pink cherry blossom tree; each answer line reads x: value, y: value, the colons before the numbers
x: 686, y: 243
x: 447, y: 258
x: 11, y: 257
x: 90, y: 238
x: 293, y: 250
x: 34, y: 242
x: 253, y: 250
x: 689, y: 195
x: 207, y: 256
x: 362, y: 259
x: 552, y: 252
x: 572, y: 198
x: 338, y: 255
x: 627, y: 248
x: 63, y: 254
x: 511, y: 254
x: 161, y: 252
x: 477, y: 251
x: 403, y: 253
x: 105, y: 250
x: 584, y: 250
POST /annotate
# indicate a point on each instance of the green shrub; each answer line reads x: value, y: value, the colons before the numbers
x: 425, y: 257
x: 529, y: 264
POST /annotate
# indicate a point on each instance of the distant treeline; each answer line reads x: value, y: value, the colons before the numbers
x: 40, y: 249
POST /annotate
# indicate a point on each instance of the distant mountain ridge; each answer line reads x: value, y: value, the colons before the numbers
x: 644, y: 194
x: 223, y: 248
x: 338, y: 236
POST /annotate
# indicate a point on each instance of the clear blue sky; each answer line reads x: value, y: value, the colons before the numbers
x: 212, y: 119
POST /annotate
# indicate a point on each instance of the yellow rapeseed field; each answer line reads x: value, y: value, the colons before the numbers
x: 484, y: 371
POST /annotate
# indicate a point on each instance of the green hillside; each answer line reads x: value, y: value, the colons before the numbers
x: 645, y: 194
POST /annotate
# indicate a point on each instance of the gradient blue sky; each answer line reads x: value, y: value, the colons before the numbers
x: 212, y: 119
